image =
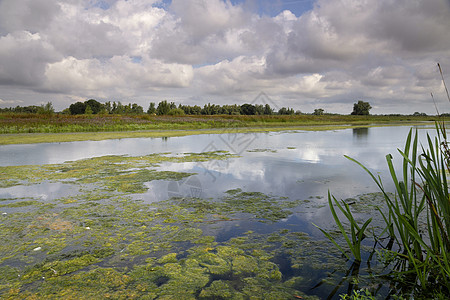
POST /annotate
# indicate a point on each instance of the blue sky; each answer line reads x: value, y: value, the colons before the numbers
x: 268, y: 7
x: 303, y: 54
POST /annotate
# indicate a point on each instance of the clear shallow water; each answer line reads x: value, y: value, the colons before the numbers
x: 297, y: 165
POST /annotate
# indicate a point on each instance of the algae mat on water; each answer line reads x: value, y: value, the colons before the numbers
x: 106, y: 241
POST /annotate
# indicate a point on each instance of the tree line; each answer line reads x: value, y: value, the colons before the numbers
x: 164, y: 107
x: 31, y: 109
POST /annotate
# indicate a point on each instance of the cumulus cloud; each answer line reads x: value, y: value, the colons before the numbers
x: 119, y: 75
x: 220, y: 51
x: 27, y: 15
x: 23, y: 58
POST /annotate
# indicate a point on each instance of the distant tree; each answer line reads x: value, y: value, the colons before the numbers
x: 298, y: 112
x: 107, y: 106
x: 77, y: 108
x: 46, y: 109
x: 419, y: 114
x: 88, y: 110
x: 361, y: 108
x: 286, y: 111
x: 259, y: 109
x: 151, y: 109
x: 207, y: 109
x: 103, y: 111
x: 318, y: 112
x: 163, y: 108
x: 268, y: 110
x: 176, y: 112
x: 196, y: 110
x: 96, y: 106
x: 118, y: 108
x: 137, y: 109
x: 248, y: 109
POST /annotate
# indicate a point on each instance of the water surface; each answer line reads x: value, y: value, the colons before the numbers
x: 297, y: 165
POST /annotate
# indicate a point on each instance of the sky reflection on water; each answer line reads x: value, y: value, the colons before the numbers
x: 298, y: 165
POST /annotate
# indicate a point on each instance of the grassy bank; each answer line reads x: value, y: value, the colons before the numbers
x: 33, y: 128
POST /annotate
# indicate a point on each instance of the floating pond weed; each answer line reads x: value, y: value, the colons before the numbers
x: 104, y: 240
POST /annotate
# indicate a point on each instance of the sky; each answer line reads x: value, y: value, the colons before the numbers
x: 304, y: 54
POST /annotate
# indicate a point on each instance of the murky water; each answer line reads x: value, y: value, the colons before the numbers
x: 300, y: 165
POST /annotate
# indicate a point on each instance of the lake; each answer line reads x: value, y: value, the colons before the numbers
x: 208, y: 215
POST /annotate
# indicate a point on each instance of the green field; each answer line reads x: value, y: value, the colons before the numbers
x: 35, y: 128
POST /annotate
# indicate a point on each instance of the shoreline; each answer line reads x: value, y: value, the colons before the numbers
x: 36, y: 138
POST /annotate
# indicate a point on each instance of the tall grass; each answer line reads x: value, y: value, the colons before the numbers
x: 423, y: 251
x: 417, y: 217
x: 356, y: 232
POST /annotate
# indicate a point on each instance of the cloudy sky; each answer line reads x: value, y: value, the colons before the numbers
x: 304, y: 54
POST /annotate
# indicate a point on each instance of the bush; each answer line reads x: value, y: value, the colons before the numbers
x: 176, y: 112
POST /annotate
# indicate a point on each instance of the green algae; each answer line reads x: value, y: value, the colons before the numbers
x: 103, y: 243
x: 261, y: 206
x: 21, y: 204
x: 122, y: 173
x: 220, y: 289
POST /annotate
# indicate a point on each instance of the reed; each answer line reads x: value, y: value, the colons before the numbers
x: 423, y: 251
x: 356, y: 232
x: 421, y: 255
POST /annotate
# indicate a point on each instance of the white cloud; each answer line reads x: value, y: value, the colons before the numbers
x: 26, y: 15
x: 9, y: 102
x: 215, y: 51
x: 23, y: 58
x: 118, y: 75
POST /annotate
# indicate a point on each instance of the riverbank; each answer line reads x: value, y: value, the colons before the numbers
x: 32, y: 128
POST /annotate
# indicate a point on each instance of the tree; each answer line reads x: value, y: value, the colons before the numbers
x: 207, y: 109
x: 361, y: 108
x: 286, y: 111
x: 248, y: 109
x: 259, y: 109
x: 46, y: 109
x: 176, y: 112
x: 163, y: 108
x: 107, y: 106
x: 196, y: 110
x: 96, y: 106
x: 88, y: 110
x: 318, y: 112
x: 136, y: 109
x: 268, y: 110
x: 77, y: 108
x: 151, y: 109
